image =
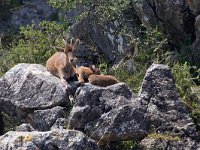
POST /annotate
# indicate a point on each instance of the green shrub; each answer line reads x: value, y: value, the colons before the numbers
x: 34, y: 45
x: 149, y: 49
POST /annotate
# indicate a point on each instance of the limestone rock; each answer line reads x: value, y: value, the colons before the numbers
x: 25, y: 127
x: 51, y: 140
x: 182, y: 144
x: 108, y: 114
x: 165, y: 109
x: 43, y: 120
x: 29, y: 87
x: 61, y: 123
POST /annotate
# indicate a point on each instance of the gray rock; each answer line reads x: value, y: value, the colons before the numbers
x: 25, y: 127
x: 196, y: 46
x: 108, y: 114
x: 32, y: 11
x: 173, y: 17
x: 165, y: 109
x: 86, y: 56
x: 43, y: 120
x: 28, y: 87
x: 181, y: 144
x: 61, y: 123
x: 51, y: 140
x: 106, y: 38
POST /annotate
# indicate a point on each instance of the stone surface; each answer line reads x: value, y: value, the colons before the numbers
x: 51, y: 140
x: 173, y: 17
x: 31, y: 86
x: 32, y: 11
x: 183, y: 144
x: 25, y: 127
x: 107, y: 114
x: 165, y: 109
x: 61, y: 123
x: 43, y: 120
x: 108, y: 42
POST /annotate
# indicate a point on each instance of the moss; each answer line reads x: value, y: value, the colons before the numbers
x: 164, y: 136
x: 9, y: 123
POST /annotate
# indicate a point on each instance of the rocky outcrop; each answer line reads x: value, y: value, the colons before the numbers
x: 29, y: 92
x: 51, y: 140
x: 43, y: 120
x: 105, y: 114
x: 165, y: 110
x: 107, y: 39
x: 175, y: 18
x: 28, y: 12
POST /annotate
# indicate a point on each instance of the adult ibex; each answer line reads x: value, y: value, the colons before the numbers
x: 63, y: 63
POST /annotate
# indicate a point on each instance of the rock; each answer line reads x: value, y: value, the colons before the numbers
x: 1, y: 123
x: 109, y: 43
x: 107, y: 114
x: 29, y: 87
x: 51, y: 140
x: 165, y: 109
x: 86, y: 56
x: 196, y: 46
x: 25, y: 127
x: 43, y: 120
x: 32, y: 12
x: 172, y: 17
x: 61, y: 123
x: 194, y: 6
x: 183, y: 144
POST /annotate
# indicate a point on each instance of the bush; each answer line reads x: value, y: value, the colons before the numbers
x: 34, y: 45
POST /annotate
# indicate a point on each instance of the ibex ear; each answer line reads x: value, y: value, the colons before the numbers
x: 92, y: 67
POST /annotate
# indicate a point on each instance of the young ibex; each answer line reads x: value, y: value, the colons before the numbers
x: 102, y: 80
x: 83, y: 73
x: 62, y: 63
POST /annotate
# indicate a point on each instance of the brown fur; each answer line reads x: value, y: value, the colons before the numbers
x: 62, y: 64
x: 102, y: 80
x: 84, y: 72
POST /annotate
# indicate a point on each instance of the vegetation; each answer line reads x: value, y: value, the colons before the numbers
x: 164, y: 136
x: 33, y: 45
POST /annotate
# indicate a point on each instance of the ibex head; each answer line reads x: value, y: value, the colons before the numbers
x: 95, y: 69
x: 69, y: 49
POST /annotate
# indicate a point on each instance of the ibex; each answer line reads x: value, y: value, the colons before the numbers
x: 62, y: 63
x: 83, y: 73
x: 102, y: 80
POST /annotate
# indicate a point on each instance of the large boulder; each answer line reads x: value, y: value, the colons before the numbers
x: 43, y: 120
x: 29, y: 93
x: 165, y: 109
x: 51, y: 140
x: 107, y: 38
x: 32, y: 12
x: 108, y: 114
x: 173, y: 17
x: 176, y: 19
